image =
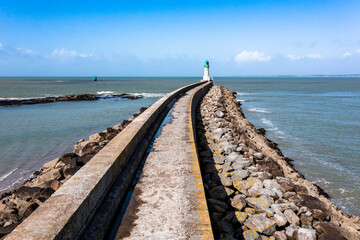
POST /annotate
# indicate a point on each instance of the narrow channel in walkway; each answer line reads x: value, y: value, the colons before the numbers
x: 164, y: 204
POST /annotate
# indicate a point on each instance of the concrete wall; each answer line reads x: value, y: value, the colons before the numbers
x: 67, y: 212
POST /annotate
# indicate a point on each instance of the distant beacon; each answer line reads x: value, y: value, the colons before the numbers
x: 206, y: 76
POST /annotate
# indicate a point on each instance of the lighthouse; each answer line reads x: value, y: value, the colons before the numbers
x: 206, y: 76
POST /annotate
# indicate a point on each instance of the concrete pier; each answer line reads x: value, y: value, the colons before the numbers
x: 169, y: 200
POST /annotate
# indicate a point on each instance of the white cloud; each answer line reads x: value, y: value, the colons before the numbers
x: 315, y: 56
x: 248, y: 56
x: 27, y: 51
x: 63, y: 52
x: 1, y: 46
x: 346, y: 54
x: 358, y: 51
x: 294, y: 57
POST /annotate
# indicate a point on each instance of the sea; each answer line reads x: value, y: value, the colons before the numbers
x: 315, y: 120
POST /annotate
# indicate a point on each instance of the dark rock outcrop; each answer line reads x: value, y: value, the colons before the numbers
x: 66, y: 98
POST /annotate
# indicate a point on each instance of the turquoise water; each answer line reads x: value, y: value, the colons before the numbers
x: 314, y: 120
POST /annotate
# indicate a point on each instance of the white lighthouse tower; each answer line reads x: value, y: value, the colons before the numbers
x: 206, y: 76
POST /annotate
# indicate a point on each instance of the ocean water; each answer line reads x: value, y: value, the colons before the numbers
x: 315, y: 121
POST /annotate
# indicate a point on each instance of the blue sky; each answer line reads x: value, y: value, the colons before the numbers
x: 173, y: 38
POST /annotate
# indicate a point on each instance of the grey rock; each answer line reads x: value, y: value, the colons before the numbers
x: 260, y: 203
x: 306, y: 234
x: 259, y: 155
x: 271, y: 183
x: 256, y: 189
x: 239, y: 175
x: 219, y: 131
x: 292, y: 217
x: 280, y: 219
x: 240, y: 164
x: 227, y: 168
x: 291, y: 232
x: 241, y: 216
x: 220, y: 114
x: 261, y: 224
x: 216, y: 137
x: 261, y: 175
x: 226, y: 181
x: 244, y: 185
x: 251, y: 234
x: 238, y: 202
x: 240, y: 149
x: 234, y: 156
x: 280, y: 207
x: 280, y: 235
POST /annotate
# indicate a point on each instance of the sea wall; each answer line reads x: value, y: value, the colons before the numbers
x: 67, y: 212
x: 253, y: 192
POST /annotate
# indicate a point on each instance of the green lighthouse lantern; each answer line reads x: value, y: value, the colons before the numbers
x: 206, y: 64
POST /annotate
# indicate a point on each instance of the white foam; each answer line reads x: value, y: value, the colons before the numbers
x: 7, y: 174
x: 242, y: 93
x: 242, y: 100
x: 149, y: 95
x: 260, y: 110
x: 13, y: 98
x: 106, y: 92
x: 268, y: 123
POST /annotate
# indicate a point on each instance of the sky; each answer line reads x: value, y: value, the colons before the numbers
x: 174, y: 38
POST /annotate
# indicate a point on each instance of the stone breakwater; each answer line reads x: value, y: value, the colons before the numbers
x: 18, y: 204
x: 66, y: 98
x: 252, y: 190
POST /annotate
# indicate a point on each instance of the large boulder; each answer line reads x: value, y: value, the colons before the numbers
x: 261, y: 224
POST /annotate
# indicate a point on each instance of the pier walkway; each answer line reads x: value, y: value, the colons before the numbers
x: 169, y: 198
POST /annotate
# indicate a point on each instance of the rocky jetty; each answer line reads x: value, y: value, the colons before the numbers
x: 18, y: 204
x: 66, y: 98
x: 252, y: 190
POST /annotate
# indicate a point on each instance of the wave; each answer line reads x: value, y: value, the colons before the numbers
x: 106, y: 93
x: 268, y: 123
x: 260, y: 110
x: 13, y: 98
x: 242, y: 93
x: 7, y: 174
